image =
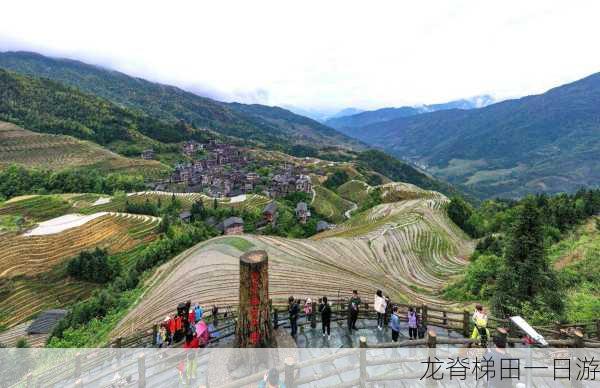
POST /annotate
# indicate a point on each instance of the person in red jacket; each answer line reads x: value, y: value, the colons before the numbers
x: 191, y: 341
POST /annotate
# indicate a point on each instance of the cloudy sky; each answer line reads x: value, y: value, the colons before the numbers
x: 321, y: 54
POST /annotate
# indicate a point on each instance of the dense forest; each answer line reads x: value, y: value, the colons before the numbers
x: 511, y: 268
x: 17, y: 180
x: 275, y: 127
x: 51, y: 107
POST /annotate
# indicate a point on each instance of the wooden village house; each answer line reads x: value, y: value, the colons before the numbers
x: 302, y: 212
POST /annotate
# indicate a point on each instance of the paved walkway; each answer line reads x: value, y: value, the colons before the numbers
x: 342, y: 338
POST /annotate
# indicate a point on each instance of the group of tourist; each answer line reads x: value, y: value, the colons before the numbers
x: 186, y: 324
x: 323, y: 308
x: 386, y: 313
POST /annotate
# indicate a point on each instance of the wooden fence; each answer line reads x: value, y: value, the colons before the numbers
x: 586, y: 334
x: 454, y: 320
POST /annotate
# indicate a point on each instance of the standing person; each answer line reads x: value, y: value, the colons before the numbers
x: 160, y: 336
x: 412, y: 323
x: 379, y: 305
x: 215, y: 315
x: 198, y: 312
x: 325, y: 310
x: 271, y: 380
x: 293, y: 311
x: 191, y: 317
x: 353, y: 308
x: 308, y: 309
x: 395, y: 324
x: 480, y: 331
x: 388, y: 311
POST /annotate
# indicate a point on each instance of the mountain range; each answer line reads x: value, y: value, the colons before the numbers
x: 342, y: 122
x: 540, y: 143
x: 322, y: 115
x: 272, y: 126
x: 127, y: 114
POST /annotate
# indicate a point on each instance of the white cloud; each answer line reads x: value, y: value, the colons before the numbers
x: 324, y: 54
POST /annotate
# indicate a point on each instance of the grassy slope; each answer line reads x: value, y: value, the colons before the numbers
x: 330, y: 205
x: 577, y: 258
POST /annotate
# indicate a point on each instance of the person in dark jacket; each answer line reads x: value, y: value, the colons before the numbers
x: 325, y: 310
x: 293, y: 310
x: 353, y: 307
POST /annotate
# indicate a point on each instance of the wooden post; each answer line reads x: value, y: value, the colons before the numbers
x: 558, y: 329
x: 118, y: 342
x: 154, y: 333
x: 598, y: 329
x: 503, y: 334
x: 313, y: 316
x: 466, y: 323
x: 431, y: 339
x: 289, y: 372
x: 445, y: 318
x: 275, y: 318
x: 254, y: 327
x: 363, y: 360
x: 578, y: 339
x: 141, y: 370
x: 424, y: 314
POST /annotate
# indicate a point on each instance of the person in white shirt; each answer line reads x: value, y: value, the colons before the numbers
x: 380, y: 304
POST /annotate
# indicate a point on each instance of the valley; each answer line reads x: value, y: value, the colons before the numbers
x: 121, y: 198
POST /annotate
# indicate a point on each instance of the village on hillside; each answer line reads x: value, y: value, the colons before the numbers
x: 224, y: 170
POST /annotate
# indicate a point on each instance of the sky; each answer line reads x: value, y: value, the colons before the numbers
x: 324, y: 55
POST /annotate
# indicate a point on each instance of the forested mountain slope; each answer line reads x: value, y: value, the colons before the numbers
x: 272, y: 126
x: 548, y: 142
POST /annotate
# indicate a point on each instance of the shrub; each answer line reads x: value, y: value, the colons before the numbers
x: 93, y: 266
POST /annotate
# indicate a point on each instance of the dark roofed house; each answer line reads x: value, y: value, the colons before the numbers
x: 302, y: 212
x: 233, y: 225
x: 148, y: 154
x: 322, y: 226
x: 46, y: 321
x: 185, y: 216
x: 270, y: 212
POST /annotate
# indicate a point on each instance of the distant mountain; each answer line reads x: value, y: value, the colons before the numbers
x: 267, y: 125
x: 543, y: 143
x: 346, y: 112
x: 344, y: 122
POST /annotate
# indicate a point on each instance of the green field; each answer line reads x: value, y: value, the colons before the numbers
x: 330, y: 205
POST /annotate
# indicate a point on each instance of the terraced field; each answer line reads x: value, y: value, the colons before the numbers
x: 55, y: 152
x: 29, y: 282
x: 242, y: 202
x: 409, y: 249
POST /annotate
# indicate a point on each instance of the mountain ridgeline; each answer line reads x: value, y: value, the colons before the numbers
x: 541, y: 143
x: 271, y: 126
x: 344, y: 122
x: 125, y: 113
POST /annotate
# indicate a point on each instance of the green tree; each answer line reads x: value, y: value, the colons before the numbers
x: 461, y: 212
x: 525, y: 276
x: 336, y: 179
x: 93, y: 266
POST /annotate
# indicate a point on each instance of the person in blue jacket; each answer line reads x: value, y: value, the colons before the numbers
x: 395, y: 324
